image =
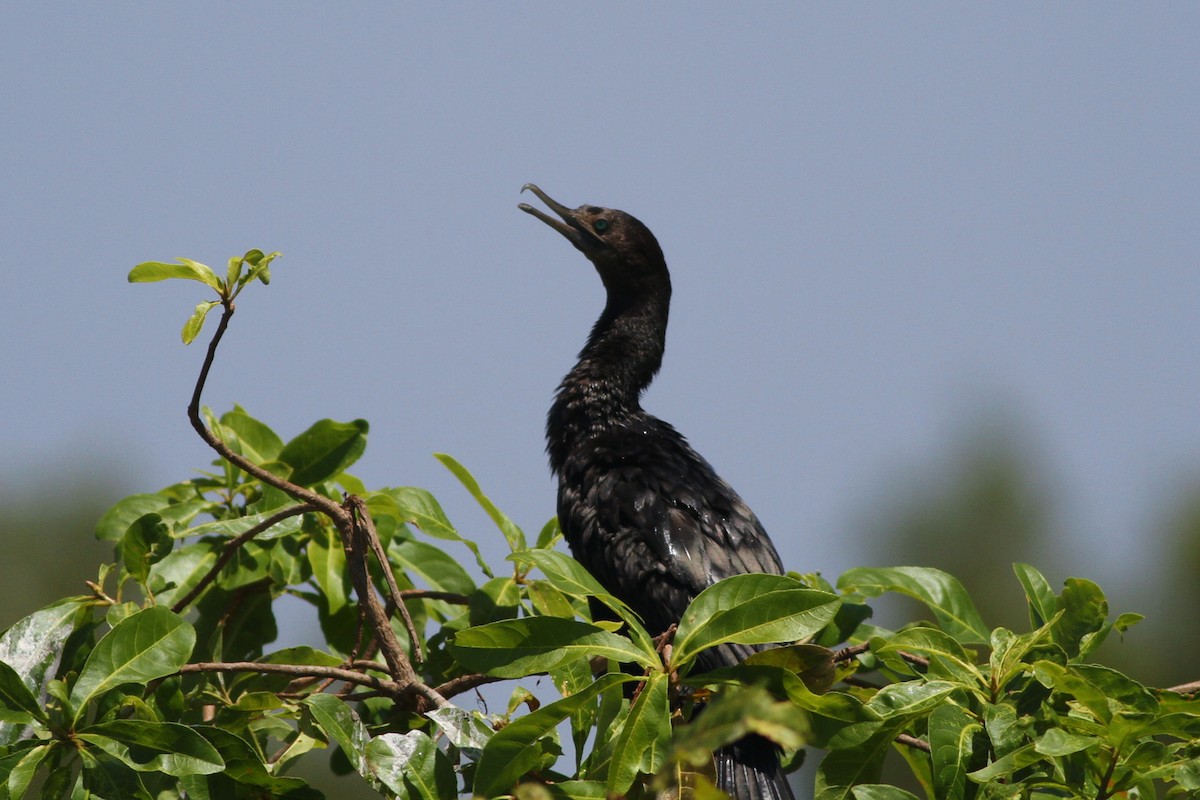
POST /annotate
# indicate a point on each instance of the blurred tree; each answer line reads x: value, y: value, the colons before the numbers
x: 983, y: 505
x: 48, y: 515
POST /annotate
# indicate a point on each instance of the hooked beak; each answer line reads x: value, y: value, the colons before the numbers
x: 570, y: 226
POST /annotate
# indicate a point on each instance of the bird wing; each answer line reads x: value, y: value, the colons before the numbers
x: 656, y: 525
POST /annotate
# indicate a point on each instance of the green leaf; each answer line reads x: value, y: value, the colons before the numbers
x: 947, y: 658
x: 641, y: 746
x: 514, y: 749
x: 811, y: 663
x: 155, y: 746
x: 151, y: 644
x: 468, y: 731
x: 150, y: 271
x: 736, y: 712
x: 833, y: 705
x: 1058, y: 742
x: 408, y: 504
x: 844, y: 768
x: 146, y: 542
x: 751, y: 609
x: 1084, y: 611
x: 952, y: 733
x: 878, y: 791
x: 195, y: 323
x: 519, y: 647
x: 259, y: 443
x: 908, y: 698
x: 1006, y: 765
x: 18, y: 768
x: 116, y: 520
x: 941, y: 592
x: 328, y: 561
x: 15, y: 695
x: 437, y: 567
x: 514, y: 535
x: 259, y: 267
x: 569, y: 577
x: 343, y: 726
x: 411, y: 765
x: 1100, y: 689
x: 1043, y: 603
x: 324, y: 450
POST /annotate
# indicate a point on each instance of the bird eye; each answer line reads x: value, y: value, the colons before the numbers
x: 601, y: 225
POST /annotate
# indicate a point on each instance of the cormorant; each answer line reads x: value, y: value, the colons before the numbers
x: 640, y: 509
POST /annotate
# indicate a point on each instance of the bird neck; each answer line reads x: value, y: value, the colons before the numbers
x: 621, y: 357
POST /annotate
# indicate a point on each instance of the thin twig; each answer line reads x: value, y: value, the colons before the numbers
x: 298, y: 671
x: 429, y: 594
x: 1185, y: 688
x: 464, y: 683
x: 913, y: 742
x: 847, y: 653
x: 232, y: 547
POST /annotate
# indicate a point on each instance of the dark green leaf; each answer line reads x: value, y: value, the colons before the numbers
x: 751, y: 609
x: 14, y: 694
x: 641, y: 746
x: 514, y: 648
x: 811, y: 663
x: 146, y: 542
x: 514, y: 535
x: 150, y: 644
x: 952, y: 733
x: 942, y: 593
x: 324, y: 450
x: 1084, y: 611
x: 844, y: 768
x: 514, y: 749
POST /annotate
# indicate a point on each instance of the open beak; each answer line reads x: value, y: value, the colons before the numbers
x: 570, y: 227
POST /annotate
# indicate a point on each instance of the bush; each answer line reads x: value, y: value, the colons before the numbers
x: 158, y: 684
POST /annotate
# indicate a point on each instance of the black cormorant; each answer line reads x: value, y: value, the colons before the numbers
x: 640, y: 509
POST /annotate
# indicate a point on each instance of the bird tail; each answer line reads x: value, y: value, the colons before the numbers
x: 749, y: 769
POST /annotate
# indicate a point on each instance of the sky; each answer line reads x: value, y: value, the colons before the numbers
x: 883, y: 221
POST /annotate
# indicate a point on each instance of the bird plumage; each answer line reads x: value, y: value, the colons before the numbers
x: 641, y: 510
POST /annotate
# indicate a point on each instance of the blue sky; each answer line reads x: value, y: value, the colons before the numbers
x: 880, y: 219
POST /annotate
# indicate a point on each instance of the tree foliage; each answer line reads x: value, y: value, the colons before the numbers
x: 159, y: 683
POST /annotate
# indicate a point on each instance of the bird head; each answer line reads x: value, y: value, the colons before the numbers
x: 622, y: 249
